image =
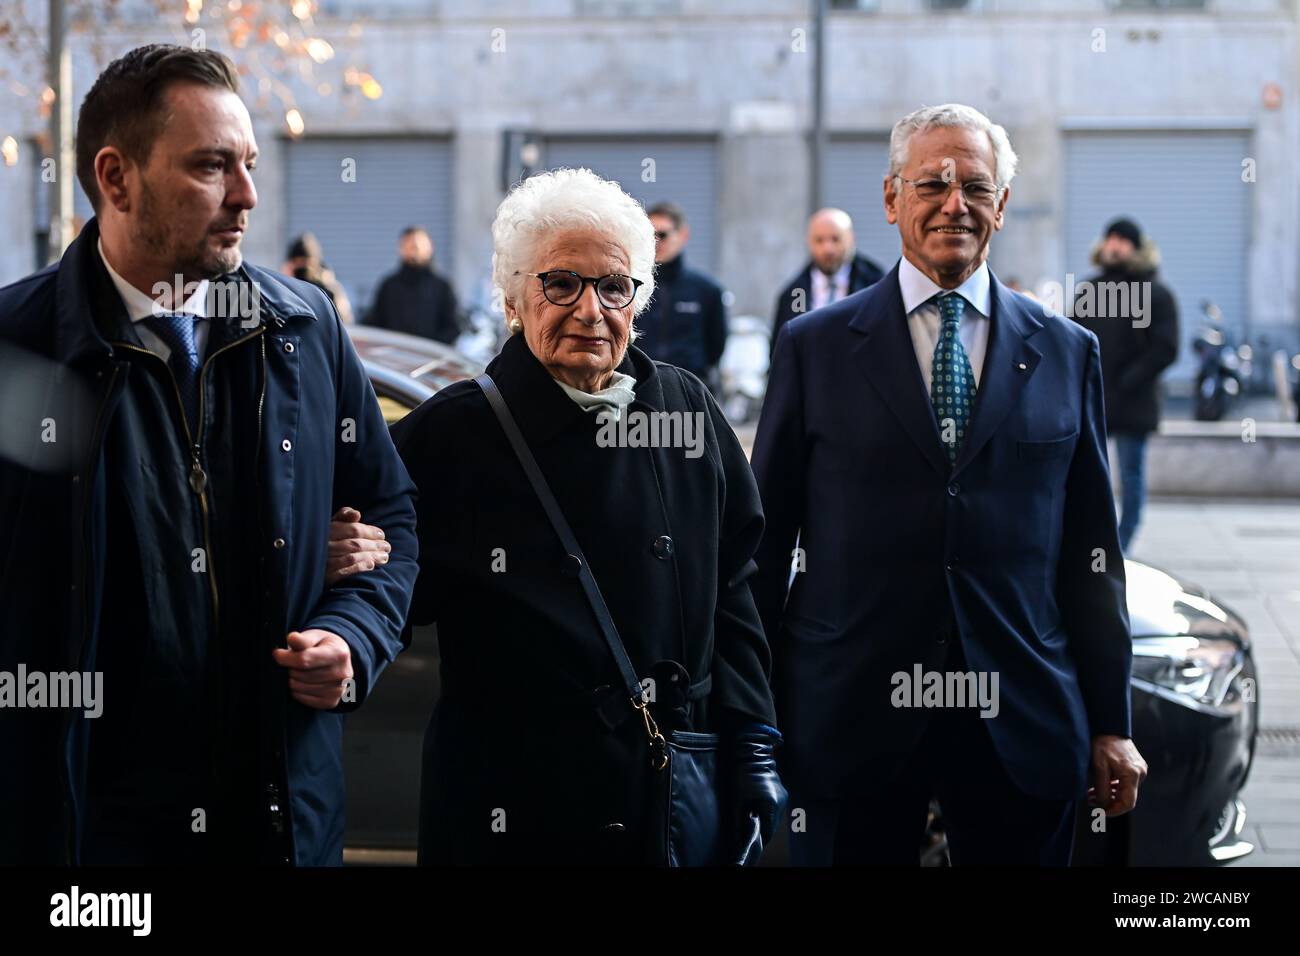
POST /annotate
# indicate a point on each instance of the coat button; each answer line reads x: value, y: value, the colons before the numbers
x: 286, y: 445
x: 614, y: 828
x: 663, y: 547
x: 278, y: 544
x: 951, y: 565
x: 953, y: 489
x: 572, y: 565
x: 288, y: 346
x: 942, y: 638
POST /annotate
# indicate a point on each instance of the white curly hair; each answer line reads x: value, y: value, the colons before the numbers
x: 562, y: 200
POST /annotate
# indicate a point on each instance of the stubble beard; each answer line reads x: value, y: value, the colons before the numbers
x: 190, y: 259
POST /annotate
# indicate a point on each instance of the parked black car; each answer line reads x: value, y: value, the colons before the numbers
x: 1195, y: 698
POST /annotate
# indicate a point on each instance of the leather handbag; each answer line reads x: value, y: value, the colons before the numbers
x: 685, y: 816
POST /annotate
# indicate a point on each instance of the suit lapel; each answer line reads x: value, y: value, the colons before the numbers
x: 1009, y: 362
x: 886, y: 356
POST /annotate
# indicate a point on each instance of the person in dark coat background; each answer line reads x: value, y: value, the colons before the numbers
x: 685, y: 322
x: 415, y: 299
x: 835, y: 269
x: 1135, y: 318
x: 519, y: 767
x: 168, y: 528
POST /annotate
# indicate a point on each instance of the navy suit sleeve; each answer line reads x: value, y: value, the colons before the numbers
x: 369, y: 610
x: 779, y: 467
x: 1090, y: 572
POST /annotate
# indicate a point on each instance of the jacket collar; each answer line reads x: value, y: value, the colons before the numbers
x: 277, y: 302
x: 887, y: 358
x: 78, y: 337
x: 671, y: 270
x: 538, y: 403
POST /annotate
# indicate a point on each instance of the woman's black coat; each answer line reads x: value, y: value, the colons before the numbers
x: 519, y: 766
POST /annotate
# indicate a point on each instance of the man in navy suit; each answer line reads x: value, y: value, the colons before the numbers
x: 932, y: 461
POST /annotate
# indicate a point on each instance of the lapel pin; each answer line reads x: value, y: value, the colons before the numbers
x: 1022, y: 366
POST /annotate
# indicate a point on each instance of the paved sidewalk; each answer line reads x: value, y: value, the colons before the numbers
x: 1247, y: 554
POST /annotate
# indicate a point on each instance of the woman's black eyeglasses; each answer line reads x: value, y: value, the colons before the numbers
x: 562, y: 287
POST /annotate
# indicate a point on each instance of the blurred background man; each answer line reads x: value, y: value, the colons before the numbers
x: 685, y: 323
x: 415, y: 299
x: 1137, y: 327
x: 835, y: 269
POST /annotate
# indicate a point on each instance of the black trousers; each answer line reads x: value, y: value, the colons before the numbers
x: 880, y: 818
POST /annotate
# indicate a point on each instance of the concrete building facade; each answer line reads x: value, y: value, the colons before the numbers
x: 1183, y: 115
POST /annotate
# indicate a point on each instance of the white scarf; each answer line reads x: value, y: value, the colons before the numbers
x: 611, y: 399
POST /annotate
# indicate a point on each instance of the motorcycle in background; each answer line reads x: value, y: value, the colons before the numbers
x: 1218, y: 374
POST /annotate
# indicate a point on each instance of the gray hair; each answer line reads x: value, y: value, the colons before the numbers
x: 564, y: 200
x: 952, y: 114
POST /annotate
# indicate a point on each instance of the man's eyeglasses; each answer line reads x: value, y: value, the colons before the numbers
x: 978, y: 193
x: 661, y: 235
x: 562, y: 287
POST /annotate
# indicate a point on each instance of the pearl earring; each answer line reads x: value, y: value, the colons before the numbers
x: 516, y: 326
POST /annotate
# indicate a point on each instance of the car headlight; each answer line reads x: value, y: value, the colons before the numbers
x: 1197, y: 672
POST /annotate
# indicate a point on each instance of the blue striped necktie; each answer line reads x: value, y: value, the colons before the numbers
x: 952, y: 383
x: 177, y: 330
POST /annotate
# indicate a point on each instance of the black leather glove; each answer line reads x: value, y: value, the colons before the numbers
x: 757, y: 796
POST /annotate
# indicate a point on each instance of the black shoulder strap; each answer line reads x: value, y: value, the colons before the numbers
x: 556, y: 516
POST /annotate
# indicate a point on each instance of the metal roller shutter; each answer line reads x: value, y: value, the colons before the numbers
x: 685, y: 172
x: 399, y: 182
x: 853, y: 168
x: 1184, y: 189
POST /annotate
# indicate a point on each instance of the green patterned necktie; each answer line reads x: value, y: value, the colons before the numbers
x: 952, y: 383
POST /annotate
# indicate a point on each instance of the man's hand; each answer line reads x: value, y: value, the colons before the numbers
x: 1117, y: 772
x: 353, y: 547
x: 319, y: 665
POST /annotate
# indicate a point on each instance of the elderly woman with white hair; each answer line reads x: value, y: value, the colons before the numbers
x: 587, y: 525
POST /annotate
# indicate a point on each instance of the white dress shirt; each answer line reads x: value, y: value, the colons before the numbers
x: 140, y: 306
x: 827, y: 289
x: 923, y: 316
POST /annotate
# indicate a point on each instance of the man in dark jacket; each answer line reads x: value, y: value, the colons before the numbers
x: 685, y: 323
x: 183, y: 426
x: 1135, y: 319
x: 835, y: 269
x: 415, y: 299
